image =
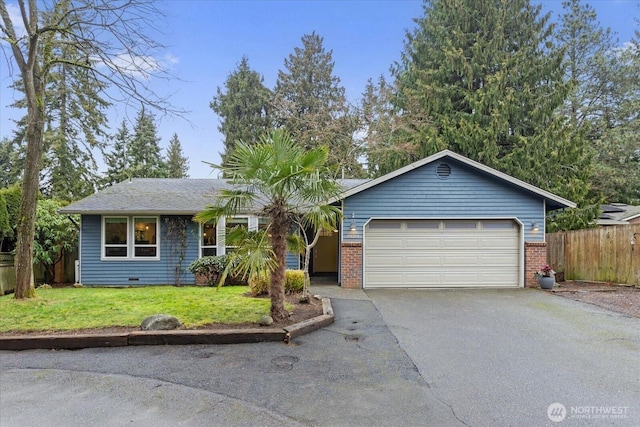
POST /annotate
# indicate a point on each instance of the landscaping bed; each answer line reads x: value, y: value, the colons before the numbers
x: 620, y: 298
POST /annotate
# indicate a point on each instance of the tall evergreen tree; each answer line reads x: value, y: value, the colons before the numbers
x: 487, y: 80
x: 605, y: 87
x: 310, y: 103
x: 392, y: 136
x: 10, y: 163
x: 617, y: 175
x: 117, y: 160
x: 177, y: 164
x: 587, y: 48
x: 144, y: 150
x: 104, y: 32
x: 242, y: 107
x: 74, y: 119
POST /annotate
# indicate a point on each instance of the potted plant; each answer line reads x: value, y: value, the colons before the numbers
x: 546, y: 277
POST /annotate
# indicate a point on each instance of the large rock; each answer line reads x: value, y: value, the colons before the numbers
x: 265, y: 321
x: 160, y: 322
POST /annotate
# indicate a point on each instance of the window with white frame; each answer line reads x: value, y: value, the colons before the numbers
x: 208, y: 239
x: 116, y: 233
x: 263, y: 223
x: 233, y: 222
x: 130, y: 237
x: 146, y: 242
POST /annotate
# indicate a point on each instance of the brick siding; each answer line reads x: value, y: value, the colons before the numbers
x: 535, y: 257
x: 351, y: 265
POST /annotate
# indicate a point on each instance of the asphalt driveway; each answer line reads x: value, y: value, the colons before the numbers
x: 393, y: 357
x: 501, y: 357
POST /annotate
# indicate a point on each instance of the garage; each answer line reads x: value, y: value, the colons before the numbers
x: 445, y: 253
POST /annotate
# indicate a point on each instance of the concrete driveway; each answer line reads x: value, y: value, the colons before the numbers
x: 393, y: 357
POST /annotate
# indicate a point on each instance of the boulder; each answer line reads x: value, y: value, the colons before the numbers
x: 265, y: 321
x: 160, y: 322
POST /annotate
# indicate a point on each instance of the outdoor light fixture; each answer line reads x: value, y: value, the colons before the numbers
x: 353, y: 226
x: 534, y: 226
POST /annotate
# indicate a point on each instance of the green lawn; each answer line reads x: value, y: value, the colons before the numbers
x: 77, y: 308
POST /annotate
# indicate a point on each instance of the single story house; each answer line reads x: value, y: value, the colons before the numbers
x: 619, y: 214
x: 443, y: 221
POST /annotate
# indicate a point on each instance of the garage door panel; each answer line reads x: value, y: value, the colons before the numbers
x: 388, y: 261
x: 422, y: 260
x: 442, y: 254
x: 422, y: 243
x: 460, y: 242
x: 421, y: 279
x: 505, y: 261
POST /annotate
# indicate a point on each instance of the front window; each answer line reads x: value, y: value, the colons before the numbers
x: 115, y: 237
x: 208, y: 244
x: 130, y: 237
x: 145, y: 245
x: 232, y: 223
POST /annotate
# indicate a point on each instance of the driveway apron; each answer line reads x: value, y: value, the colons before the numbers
x: 502, y: 357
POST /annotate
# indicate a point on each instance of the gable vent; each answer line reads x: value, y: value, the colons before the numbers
x: 443, y: 171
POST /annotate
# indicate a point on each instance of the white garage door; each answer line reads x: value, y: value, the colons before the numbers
x: 441, y: 254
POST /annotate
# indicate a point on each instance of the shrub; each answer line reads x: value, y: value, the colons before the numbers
x: 259, y: 283
x: 294, y: 280
x: 211, y: 268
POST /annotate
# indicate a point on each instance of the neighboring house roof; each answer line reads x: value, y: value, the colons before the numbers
x: 552, y: 201
x: 159, y: 196
x: 618, y: 214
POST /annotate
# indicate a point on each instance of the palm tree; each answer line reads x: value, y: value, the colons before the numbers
x: 277, y: 179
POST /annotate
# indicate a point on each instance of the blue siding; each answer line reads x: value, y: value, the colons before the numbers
x: 466, y: 193
x: 293, y: 261
x: 95, y: 271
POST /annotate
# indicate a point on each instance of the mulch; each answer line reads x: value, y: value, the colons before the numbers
x: 617, y: 297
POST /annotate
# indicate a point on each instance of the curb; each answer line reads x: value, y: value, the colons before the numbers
x: 174, y: 337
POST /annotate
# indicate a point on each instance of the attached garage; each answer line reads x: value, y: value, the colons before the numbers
x: 444, y: 253
x: 445, y: 221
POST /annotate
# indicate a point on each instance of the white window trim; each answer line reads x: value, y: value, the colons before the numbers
x: 252, y: 225
x: 131, y: 244
x: 201, y: 246
x: 103, y: 245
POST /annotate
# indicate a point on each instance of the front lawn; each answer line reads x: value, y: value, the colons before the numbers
x: 79, y: 308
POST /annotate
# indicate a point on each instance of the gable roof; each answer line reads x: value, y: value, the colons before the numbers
x: 618, y: 214
x: 552, y: 201
x: 166, y: 196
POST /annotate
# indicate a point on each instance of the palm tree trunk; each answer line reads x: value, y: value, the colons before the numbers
x: 279, y: 228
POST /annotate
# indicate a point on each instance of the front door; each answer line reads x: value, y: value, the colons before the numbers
x: 325, y: 253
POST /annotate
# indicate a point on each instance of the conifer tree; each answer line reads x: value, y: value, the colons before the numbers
x: 117, y: 160
x: 489, y: 84
x: 310, y: 104
x: 10, y: 163
x: 145, y: 159
x: 242, y: 107
x: 177, y: 164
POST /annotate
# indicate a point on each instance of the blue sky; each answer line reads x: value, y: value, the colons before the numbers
x: 205, y: 39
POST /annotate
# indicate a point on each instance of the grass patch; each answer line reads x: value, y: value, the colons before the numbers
x: 79, y: 308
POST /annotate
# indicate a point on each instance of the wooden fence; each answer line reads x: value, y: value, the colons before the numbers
x: 604, y: 254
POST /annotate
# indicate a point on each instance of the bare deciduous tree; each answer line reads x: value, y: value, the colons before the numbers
x: 115, y: 39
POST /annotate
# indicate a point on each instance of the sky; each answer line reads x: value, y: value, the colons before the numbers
x: 205, y: 40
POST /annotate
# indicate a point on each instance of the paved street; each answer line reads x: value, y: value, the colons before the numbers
x: 401, y: 357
